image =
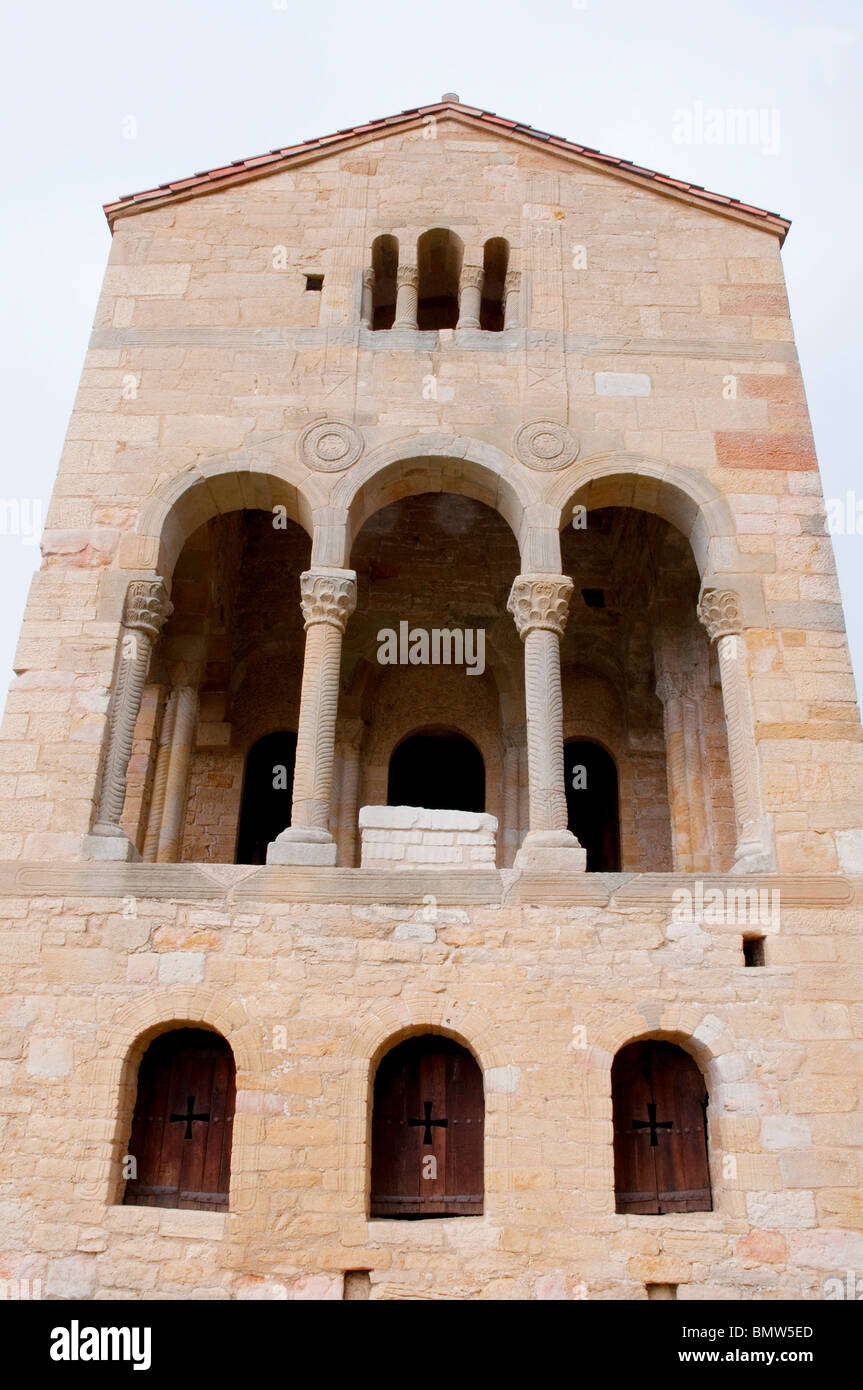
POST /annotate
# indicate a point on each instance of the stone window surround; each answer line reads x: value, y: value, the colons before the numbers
x: 109, y: 1079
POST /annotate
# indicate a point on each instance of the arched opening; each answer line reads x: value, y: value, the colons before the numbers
x: 439, y: 770
x: 265, y: 810
x: 427, y: 1131
x: 592, y: 803
x: 660, y: 1130
x: 179, y: 1152
x: 495, y: 265
x: 439, y: 258
x: 385, y: 264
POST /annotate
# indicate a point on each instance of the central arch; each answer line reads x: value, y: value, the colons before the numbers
x: 446, y: 463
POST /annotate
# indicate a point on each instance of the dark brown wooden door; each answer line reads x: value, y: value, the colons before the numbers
x: 427, y: 1131
x: 183, y: 1122
x: 660, y: 1130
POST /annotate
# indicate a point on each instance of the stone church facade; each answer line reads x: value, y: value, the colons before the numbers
x: 476, y: 468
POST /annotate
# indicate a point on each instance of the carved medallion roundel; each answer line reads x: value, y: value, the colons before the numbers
x: 328, y: 446
x: 545, y: 445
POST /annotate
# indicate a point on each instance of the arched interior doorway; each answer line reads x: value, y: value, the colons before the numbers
x: 267, y: 791
x: 439, y: 770
x: 592, y: 803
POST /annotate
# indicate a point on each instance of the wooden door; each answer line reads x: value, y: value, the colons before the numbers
x: 427, y: 1131
x: 660, y: 1131
x: 183, y: 1122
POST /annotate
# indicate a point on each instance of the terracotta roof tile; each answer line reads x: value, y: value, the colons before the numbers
x: 239, y: 168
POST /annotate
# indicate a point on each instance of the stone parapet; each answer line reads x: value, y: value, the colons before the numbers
x: 410, y: 837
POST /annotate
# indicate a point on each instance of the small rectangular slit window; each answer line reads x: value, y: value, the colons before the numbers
x: 357, y: 1284
x: 314, y: 282
x: 661, y: 1291
x: 594, y: 598
x: 753, y: 950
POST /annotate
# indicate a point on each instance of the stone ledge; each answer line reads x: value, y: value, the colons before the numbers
x: 238, y: 884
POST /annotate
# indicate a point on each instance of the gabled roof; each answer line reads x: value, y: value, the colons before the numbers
x: 242, y: 170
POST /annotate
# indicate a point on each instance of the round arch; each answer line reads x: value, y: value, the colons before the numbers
x: 445, y: 463
x: 215, y: 487
x: 681, y: 496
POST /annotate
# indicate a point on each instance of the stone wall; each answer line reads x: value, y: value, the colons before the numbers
x: 310, y: 979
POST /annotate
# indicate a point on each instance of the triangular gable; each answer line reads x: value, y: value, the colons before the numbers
x: 243, y: 170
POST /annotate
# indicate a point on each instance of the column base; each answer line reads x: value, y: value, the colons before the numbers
x: 756, y: 850
x: 109, y: 842
x: 551, y: 849
x: 303, y: 844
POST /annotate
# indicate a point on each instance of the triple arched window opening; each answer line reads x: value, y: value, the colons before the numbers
x: 439, y: 288
x: 427, y: 1133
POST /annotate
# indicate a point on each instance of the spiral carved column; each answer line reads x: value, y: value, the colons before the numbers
x: 177, y: 781
x: 510, y: 821
x: 470, y: 296
x: 329, y: 597
x: 539, y: 604
x: 407, y: 296
x: 146, y: 610
x: 346, y: 810
x: 719, y: 611
x: 160, y: 778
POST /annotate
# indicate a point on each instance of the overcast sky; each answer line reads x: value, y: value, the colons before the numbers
x: 210, y: 82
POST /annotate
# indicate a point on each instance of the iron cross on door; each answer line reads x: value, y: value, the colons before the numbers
x: 428, y: 1122
x: 189, y: 1117
x: 652, y: 1124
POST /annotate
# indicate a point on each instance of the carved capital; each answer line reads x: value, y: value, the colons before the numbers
x: 719, y: 611
x: 147, y: 607
x: 512, y: 282
x: 472, y: 277
x: 540, y: 601
x: 328, y: 596
x: 408, y: 275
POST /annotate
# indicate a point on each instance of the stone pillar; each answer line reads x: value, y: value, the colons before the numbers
x: 177, y: 781
x: 719, y: 611
x: 539, y: 603
x: 160, y: 778
x: 407, y: 296
x: 346, y: 816
x: 367, y: 306
x: 146, y: 610
x: 512, y: 299
x: 329, y: 597
x: 511, y: 818
x: 687, y: 787
x: 470, y: 296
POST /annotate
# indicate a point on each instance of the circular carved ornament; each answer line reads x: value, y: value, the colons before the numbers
x: 545, y: 445
x: 328, y: 446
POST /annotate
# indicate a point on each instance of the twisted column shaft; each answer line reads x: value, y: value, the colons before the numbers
x: 145, y: 613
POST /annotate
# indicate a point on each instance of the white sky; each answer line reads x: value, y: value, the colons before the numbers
x: 216, y: 81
